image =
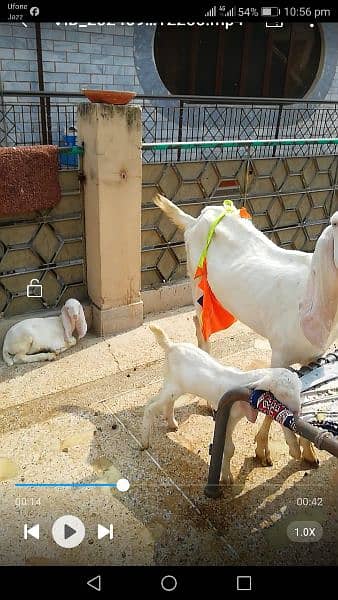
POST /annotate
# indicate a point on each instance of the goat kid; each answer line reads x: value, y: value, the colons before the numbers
x: 190, y: 370
x: 39, y: 339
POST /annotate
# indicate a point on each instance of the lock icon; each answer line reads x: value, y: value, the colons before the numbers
x: 34, y: 289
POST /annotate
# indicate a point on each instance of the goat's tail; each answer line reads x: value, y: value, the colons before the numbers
x: 175, y: 214
x: 161, y: 337
x: 5, y: 354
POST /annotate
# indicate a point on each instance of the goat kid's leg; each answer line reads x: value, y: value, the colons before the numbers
x: 170, y: 416
x: 229, y: 447
x: 293, y: 443
x: 262, y: 437
x: 262, y: 443
x: 309, y: 453
x: 30, y: 358
x: 296, y: 444
x: 162, y: 402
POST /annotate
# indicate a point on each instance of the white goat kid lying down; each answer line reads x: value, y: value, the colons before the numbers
x: 287, y: 296
x: 190, y: 370
x: 38, y: 339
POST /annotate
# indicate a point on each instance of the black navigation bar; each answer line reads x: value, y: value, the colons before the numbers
x: 178, y: 581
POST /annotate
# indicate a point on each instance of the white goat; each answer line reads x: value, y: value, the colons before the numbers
x: 287, y: 296
x: 39, y: 339
x: 190, y: 370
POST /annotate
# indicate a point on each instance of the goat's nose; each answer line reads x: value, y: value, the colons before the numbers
x: 334, y: 219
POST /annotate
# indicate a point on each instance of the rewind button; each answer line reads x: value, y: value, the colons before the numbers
x: 33, y: 531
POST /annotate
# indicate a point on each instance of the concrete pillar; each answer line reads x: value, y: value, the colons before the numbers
x: 112, y: 167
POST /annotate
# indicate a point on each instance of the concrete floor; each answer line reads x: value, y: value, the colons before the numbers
x: 78, y: 419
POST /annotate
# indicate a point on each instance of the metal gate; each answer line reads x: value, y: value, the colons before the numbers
x: 48, y: 246
x: 290, y: 199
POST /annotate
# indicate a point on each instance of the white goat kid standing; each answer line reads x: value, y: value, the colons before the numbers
x: 191, y: 370
x: 287, y: 296
x: 39, y: 339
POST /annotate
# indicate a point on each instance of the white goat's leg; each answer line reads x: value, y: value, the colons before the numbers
x: 30, y: 358
x: 229, y: 447
x: 262, y: 437
x: 202, y: 344
x: 200, y: 339
x: 309, y: 453
x: 262, y: 443
x: 170, y: 415
x: 293, y: 443
x: 159, y: 403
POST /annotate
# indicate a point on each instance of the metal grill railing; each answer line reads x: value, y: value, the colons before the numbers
x: 22, y: 124
x: 187, y: 122
x: 178, y: 119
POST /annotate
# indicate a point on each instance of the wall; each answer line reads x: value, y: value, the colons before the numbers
x: 112, y: 56
x: 122, y: 57
x: 95, y: 57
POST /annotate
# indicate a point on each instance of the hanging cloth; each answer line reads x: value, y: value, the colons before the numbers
x: 214, y: 317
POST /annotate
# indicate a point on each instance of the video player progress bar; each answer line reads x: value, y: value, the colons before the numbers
x: 122, y: 485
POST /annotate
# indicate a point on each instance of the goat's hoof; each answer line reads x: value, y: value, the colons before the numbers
x: 51, y: 356
x: 264, y: 459
x: 312, y: 460
x: 144, y: 446
x: 173, y: 426
x: 227, y: 478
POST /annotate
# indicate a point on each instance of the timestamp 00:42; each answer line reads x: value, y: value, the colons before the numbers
x: 304, y: 501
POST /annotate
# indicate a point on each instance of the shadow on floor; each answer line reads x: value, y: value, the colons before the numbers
x: 252, y: 518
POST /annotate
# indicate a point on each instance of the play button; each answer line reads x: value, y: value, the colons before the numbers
x: 68, y: 531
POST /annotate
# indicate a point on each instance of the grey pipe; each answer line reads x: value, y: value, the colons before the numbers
x: 319, y: 437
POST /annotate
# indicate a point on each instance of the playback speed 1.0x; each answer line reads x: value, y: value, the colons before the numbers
x: 285, y: 11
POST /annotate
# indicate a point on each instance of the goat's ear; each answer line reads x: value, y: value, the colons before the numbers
x: 318, y: 308
x: 81, y: 324
x: 67, y: 323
